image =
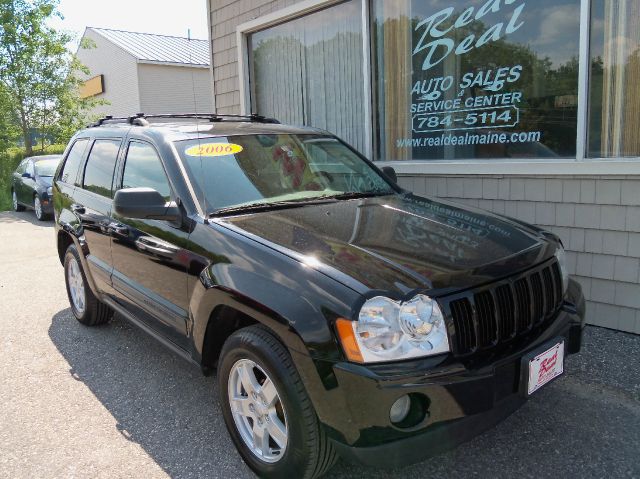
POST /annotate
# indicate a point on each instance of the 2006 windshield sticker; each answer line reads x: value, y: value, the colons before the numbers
x: 214, y: 149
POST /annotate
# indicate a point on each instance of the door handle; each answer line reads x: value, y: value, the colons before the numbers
x: 157, y: 247
x: 79, y: 209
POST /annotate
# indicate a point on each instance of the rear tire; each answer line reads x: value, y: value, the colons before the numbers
x: 308, y: 453
x: 16, y: 206
x: 87, y: 309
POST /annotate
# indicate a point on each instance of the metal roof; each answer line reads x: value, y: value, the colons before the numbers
x: 147, y: 47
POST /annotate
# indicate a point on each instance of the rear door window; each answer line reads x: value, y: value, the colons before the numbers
x: 69, y: 172
x: 98, y: 173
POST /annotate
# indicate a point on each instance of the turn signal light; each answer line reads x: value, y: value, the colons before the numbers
x: 348, y: 340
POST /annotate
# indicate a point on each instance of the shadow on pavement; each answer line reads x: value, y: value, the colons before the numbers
x: 582, y: 425
x: 159, y: 401
x: 8, y: 217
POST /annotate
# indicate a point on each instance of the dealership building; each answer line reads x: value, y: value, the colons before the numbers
x: 528, y: 109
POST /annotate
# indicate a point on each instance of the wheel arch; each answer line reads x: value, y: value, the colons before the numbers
x: 228, y: 312
x: 64, y: 240
x: 223, y: 321
x: 218, y: 312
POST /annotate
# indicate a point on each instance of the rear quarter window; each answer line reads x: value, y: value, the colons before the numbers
x: 98, y: 173
x: 69, y: 172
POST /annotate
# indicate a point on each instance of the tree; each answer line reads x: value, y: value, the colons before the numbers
x: 8, y: 121
x: 40, y: 76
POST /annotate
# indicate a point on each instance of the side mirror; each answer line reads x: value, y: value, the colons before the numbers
x: 26, y: 175
x: 391, y: 173
x: 144, y: 203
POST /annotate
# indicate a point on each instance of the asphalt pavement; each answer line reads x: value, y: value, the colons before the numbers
x: 110, y: 402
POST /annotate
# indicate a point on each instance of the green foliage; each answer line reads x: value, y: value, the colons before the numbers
x: 9, y: 160
x: 9, y: 131
x: 40, y: 76
x: 39, y: 85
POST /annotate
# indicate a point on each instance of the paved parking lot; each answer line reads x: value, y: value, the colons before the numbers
x: 109, y: 402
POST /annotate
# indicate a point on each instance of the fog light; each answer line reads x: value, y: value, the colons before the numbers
x: 400, y: 410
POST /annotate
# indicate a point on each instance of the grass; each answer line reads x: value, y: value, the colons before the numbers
x: 9, y: 160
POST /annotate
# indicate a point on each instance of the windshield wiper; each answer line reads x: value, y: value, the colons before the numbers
x: 352, y: 195
x: 266, y: 206
x: 273, y: 205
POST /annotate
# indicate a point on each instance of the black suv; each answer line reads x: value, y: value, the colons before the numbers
x: 345, y: 316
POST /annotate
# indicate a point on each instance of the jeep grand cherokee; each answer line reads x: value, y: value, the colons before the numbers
x: 345, y: 316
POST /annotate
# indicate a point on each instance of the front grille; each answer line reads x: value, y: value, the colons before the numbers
x: 488, y: 316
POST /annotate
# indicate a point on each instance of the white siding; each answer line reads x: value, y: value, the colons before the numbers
x: 174, y: 89
x: 120, y: 75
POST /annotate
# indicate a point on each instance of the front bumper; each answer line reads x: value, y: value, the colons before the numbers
x: 462, y: 398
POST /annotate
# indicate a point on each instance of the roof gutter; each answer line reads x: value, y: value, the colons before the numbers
x: 173, y: 64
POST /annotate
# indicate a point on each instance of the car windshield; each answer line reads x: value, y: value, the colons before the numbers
x: 46, y: 167
x: 252, y: 170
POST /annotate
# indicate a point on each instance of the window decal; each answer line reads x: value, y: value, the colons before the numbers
x: 214, y: 149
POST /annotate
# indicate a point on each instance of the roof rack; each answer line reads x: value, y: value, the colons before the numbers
x: 140, y: 119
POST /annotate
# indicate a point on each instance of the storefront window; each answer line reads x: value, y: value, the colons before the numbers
x: 467, y: 79
x: 614, y: 112
x: 308, y: 71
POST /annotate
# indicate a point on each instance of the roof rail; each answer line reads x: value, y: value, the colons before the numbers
x: 140, y: 119
x: 137, y: 119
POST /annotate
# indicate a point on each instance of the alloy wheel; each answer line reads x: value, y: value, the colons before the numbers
x: 76, y: 286
x: 14, y: 197
x: 258, y: 411
x: 37, y: 206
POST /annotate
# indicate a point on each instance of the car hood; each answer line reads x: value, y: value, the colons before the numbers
x: 399, y: 243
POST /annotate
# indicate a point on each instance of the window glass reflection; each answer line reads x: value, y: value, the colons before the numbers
x: 476, y: 78
x: 614, y: 117
x: 308, y: 71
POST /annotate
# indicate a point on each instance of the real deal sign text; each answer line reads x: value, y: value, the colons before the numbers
x: 436, y: 48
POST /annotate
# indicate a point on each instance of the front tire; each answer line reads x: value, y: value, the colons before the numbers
x: 87, y: 309
x: 267, y: 410
x: 37, y: 208
x: 14, y: 198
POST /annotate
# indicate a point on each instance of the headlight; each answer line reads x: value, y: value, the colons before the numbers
x: 389, y: 330
x: 50, y: 192
x: 561, y: 256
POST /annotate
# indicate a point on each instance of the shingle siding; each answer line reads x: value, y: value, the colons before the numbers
x: 598, y: 220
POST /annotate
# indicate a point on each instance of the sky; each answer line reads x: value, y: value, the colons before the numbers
x: 165, y: 17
